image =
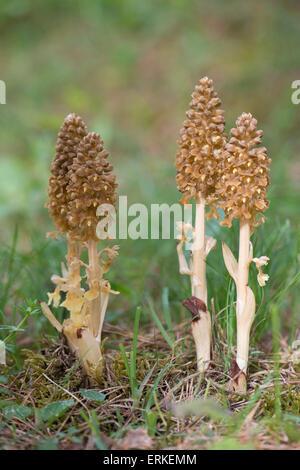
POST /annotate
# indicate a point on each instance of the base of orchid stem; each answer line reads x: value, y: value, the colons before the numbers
x: 238, y: 382
x: 243, y: 340
x: 201, y: 329
x: 87, y: 349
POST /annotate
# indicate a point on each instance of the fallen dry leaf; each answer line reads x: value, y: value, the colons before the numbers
x: 136, y: 439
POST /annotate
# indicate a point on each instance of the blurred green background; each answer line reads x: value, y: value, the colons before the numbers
x: 129, y: 68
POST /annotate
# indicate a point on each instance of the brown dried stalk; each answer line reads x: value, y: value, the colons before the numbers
x: 201, y: 148
x: 242, y: 193
x: 87, y: 183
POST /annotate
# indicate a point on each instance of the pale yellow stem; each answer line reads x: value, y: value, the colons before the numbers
x: 243, y: 264
x: 199, y: 288
x: 95, y: 304
x: 103, y: 308
x: 245, y: 307
x: 73, y: 253
x: 202, y: 328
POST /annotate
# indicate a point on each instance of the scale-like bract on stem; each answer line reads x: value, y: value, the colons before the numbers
x: 71, y: 133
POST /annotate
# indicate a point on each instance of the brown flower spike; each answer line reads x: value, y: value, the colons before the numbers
x: 71, y: 133
x: 244, y: 176
x: 201, y: 149
x: 242, y: 193
x: 91, y: 183
x: 201, y: 144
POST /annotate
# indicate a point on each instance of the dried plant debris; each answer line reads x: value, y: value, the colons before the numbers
x: 136, y: 439
x: 186, y: 412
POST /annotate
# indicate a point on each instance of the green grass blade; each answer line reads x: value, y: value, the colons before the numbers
x: 151, y: 397
x: 94, y: 425
x: 159, y: 324
x: 10, y: 276
x: 123, y: 352
x: 276, y: 350
x: 134, y: 346
x: 167, y: 312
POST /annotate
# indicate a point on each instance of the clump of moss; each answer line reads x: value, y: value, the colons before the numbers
x: 289, y: 400
x: 55, y: 361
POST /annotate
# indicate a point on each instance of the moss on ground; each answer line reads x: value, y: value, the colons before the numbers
x: 265, y: 418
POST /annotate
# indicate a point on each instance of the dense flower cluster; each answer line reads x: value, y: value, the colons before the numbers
x: 91, y: 183
x: 69, y: 137
x: 244, y: 179
x: 201, y: 144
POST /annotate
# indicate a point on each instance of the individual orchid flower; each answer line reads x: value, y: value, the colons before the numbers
x: 259, y: 262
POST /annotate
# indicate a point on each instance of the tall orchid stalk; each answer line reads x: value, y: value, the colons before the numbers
x: 81, y: 180
x: 242, y: 191
x: 201, y: 147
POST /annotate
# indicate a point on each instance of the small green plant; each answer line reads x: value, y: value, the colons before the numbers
x: 31, y: 308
